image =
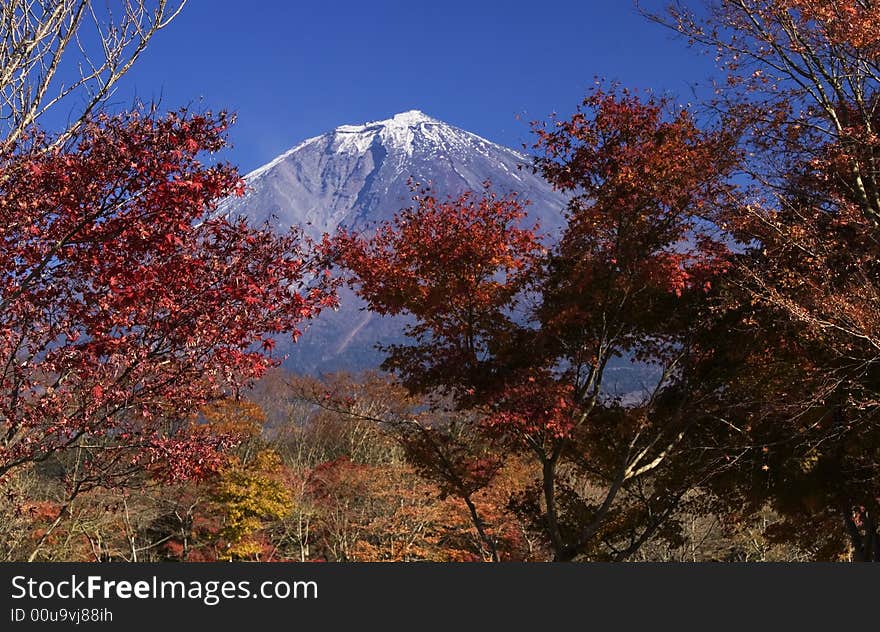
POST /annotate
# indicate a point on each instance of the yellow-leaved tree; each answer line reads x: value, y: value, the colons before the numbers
x: 247, y: 496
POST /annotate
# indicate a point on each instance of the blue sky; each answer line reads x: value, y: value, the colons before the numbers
x: 292, y: 69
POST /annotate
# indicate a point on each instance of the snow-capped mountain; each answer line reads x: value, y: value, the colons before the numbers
x: 358, y: 175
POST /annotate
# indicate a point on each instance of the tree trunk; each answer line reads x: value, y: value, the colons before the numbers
x: 863, y: 536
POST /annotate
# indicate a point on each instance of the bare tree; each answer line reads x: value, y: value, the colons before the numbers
x: 72, y: 51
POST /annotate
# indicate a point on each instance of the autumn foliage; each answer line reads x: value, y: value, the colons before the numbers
x: 523, y: 333
x: 792, y: 352
x: 730, y: 249
x: 126, y: 305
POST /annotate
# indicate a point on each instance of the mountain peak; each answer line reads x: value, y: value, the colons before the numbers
x: 398, y: 132
x: 401, y: 120
x: 411, y: 117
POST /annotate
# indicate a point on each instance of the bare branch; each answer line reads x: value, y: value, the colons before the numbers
x: 71, y: 51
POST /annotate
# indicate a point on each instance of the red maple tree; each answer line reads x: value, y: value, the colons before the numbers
x: 126, y: 303
x: 524, y: 333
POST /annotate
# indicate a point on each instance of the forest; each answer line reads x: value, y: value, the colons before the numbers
x: 731, y: 243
